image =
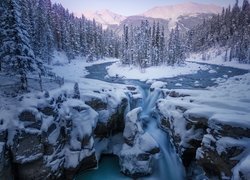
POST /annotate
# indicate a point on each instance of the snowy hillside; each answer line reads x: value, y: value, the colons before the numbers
x: 105, y: 17
x: 187, y: 15
x: 167, y: 12
x: 162, y: 94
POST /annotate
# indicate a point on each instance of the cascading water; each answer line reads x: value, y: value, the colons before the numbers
x: 167, y: 164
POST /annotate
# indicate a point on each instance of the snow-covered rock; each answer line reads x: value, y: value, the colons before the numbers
x: 211, y: 127
x: 51, y: 134
x: 158, y: 85
x: 136, y: 156
x: 132, y: 126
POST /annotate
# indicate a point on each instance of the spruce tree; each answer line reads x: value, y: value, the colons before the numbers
x: 16, y: 52
x: 76, y: 94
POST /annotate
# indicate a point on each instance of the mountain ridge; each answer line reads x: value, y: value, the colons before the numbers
x: 167, y: 12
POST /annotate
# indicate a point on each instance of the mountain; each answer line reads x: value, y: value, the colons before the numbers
x: 136, y: 21
x: 187, y: 15
x: 185, y: 9
x: 104, y: 17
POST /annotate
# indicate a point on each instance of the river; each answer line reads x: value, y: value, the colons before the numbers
x: 168, y: 165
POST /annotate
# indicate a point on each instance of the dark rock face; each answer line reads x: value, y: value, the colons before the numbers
x: 89, y: 162
x: 97, y: 104
x: 27, y: 116
x: 32, y: 170
x: 136, y: 157
x: 48, y: 110
x: 5, y: 156
x: 214, y: 145
x: 22, y: 154
x: 55, y: 139
x: 30, y: 119
x: 5, y: 162
x: 115, y: 124
x: 175, y: 94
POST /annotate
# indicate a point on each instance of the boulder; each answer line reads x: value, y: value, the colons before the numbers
x: 5, y: 163
x: 132, y: 126
x: 136, y: 156
x: 27, y: 147
x: 110, y: 124
x: 97, y: 104
x: 31, y: 118
x: 88, y: 162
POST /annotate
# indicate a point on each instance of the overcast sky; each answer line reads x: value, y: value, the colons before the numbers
x: 128, y: 7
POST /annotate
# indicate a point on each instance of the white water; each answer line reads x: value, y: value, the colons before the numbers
x: 167, y: 164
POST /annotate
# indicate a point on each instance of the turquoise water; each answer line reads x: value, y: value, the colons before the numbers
x: 108, y: 169
x: 168, y: 166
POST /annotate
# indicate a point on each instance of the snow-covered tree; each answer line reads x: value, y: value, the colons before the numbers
x: 43, y: 38
x: 76, y: 94
x: 16, y: 53
x: 230, y: 30
x: 176, y: 52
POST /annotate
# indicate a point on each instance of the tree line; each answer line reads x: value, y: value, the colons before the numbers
x: 31, y: 30
x: 146, y: 45
x: 230, y: 29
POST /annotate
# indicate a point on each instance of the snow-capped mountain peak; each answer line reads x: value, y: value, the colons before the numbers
x: 104, y: 17
x: 168, y: 12
x: 174, y: 11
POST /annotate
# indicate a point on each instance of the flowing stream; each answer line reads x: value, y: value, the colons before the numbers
x: 167, y: 164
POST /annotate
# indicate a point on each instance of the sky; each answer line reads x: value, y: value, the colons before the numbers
x: 128, y: 7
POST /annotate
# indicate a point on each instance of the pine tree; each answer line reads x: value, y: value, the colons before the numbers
x: 162, y: 47
x: 76, y: 91
x: 16, y: 52
x: 125, y: 57
x: 176, y: 53
x: 229, y: 30
x: 44, y: 42
x: 171, y: 48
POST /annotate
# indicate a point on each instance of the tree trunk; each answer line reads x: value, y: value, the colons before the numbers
x: 24, y: 83
x: 40, y: 82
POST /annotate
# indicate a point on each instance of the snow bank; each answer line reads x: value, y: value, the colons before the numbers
x: 218, y: 119
x: 59, y: 58
x: 217, y: 57
x: 158, y: 85
x: 131, y: 72
x: 75, y: 70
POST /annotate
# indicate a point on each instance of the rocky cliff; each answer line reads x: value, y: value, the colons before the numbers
x: 55, y: 135
x: 210, y: 130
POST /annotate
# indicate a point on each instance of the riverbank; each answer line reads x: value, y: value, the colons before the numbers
x: 155, y: 72
x: 210, y: 128
x: 216, y: 57
x: 69, y: 134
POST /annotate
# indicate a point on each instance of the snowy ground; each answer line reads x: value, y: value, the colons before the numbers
x: 129, y: 72
x: 72, y: 72
x: 227, y: 105
x: 222, y: 104
x: 217, y: 57
x: 75, y: 70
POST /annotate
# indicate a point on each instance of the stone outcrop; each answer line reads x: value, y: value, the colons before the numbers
x: 216, y: 142
x: 114, y: 123
x: 54, y: 138
x: 136, y: 157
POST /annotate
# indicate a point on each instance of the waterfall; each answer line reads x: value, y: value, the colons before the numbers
x: 167, y: 164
